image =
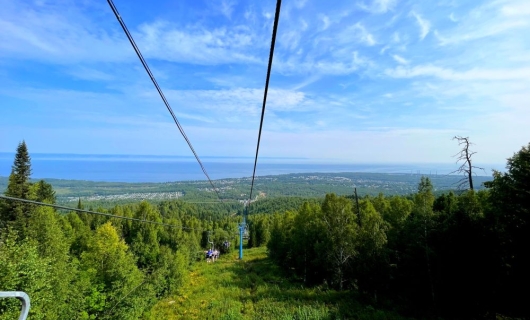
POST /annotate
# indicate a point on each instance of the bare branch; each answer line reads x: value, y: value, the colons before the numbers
x: 466, y: 167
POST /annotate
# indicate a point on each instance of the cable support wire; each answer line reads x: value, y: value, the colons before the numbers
x: 94, y: 212
x: 273, y: 41
x: 148, y: 70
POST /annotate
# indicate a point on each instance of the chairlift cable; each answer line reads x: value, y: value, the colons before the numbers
x: 243, y: 226
x: 155, y: 83
x: 56, y: 206
x: 271, y: 54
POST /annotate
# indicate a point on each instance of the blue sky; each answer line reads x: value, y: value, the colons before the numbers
x: 352, y: 81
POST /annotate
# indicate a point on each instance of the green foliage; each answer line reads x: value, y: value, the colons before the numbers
x: 341, y: 230
x: 255, y: 288
x: 20, y: 173
x: 414, y: 252
x: 110, y: 266
x: 309, y: 243
x: 424, y: 198
x: 43, y: 192
x: 509, y: 216
x: 399, y: 210
x: 145, y: 243
x: 329, y: 244
x: 22, y: 269
x: 18, y: 187
x: 426, y: 254
x: 44, y: 228
x: 259, y: 230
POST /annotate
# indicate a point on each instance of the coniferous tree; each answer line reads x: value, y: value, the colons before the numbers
x: 43, y: 192
x: 18, y: 187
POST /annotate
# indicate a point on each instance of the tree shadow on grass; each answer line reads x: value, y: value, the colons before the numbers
x: 265, y: 285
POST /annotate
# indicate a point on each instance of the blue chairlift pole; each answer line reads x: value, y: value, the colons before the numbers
x: 241, y: 231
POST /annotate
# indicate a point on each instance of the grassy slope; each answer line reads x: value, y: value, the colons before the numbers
x: 256, y: 289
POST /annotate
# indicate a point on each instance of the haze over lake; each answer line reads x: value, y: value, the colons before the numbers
x: 135, y: 168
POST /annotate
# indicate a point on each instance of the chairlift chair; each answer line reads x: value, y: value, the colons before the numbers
x: 23, y: 297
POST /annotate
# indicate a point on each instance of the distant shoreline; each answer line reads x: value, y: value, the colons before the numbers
x: 126, y: 170
x: 309, y: 184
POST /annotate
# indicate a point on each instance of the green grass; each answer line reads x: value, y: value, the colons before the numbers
x: 256, y: 289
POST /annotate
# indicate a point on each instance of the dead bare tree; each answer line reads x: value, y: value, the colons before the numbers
x: 466, y: 168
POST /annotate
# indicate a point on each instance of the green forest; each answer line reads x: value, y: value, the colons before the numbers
x: 422, y: 254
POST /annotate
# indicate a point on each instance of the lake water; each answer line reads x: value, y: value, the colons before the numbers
x: 122, y: 168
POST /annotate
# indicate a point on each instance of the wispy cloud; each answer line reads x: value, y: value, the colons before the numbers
x: 50, y: 36
x: 425, y: 25
x: 346, y: 74
x: 344, y: 63
x: 516, y: 9
x: 485, y: 21
x: 358, y: 33
x: 448, y: 74
x: 378, y: 6
x: 362, y: 35
x: 227, y: 7
x: 325, y: 22
x: 300, y: 3
x: 400, y: 59
x: 479, y: 32
x: 164, y: 41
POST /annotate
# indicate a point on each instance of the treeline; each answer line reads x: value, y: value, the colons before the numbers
x: 84, y: 266
x: 455, y: 256
x: 279, y: 204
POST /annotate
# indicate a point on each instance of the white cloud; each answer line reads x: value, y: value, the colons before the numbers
x: 163, y: 41
x: 392, y: 145
x: 91, y: 74
x: 488, y: 20
x: 47, y: 34
x: 345, y: 62
x: 357, y: 32
x: 303, y: 24
x: 51, y: 34
x: 227, y: 7
x: 378, y: 6
x: 325, y: 22
x: 449, y: 74
x: 290, y: 39
x: 245, y: 102
x: 478, y: 32
x: 285, y: 100
x: 396, y: 37
x: 366, y: 37
x: 385, y: 5
x: 425, y: 25
x: 478, y: 86
x: 400, y: 59
x: 517, y: 9
x: 306, y: 82
x: 300, y: 3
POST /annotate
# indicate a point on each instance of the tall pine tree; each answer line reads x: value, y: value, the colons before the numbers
x: 18, y: 187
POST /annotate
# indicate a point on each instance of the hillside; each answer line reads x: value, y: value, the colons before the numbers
x: 255, y: 288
